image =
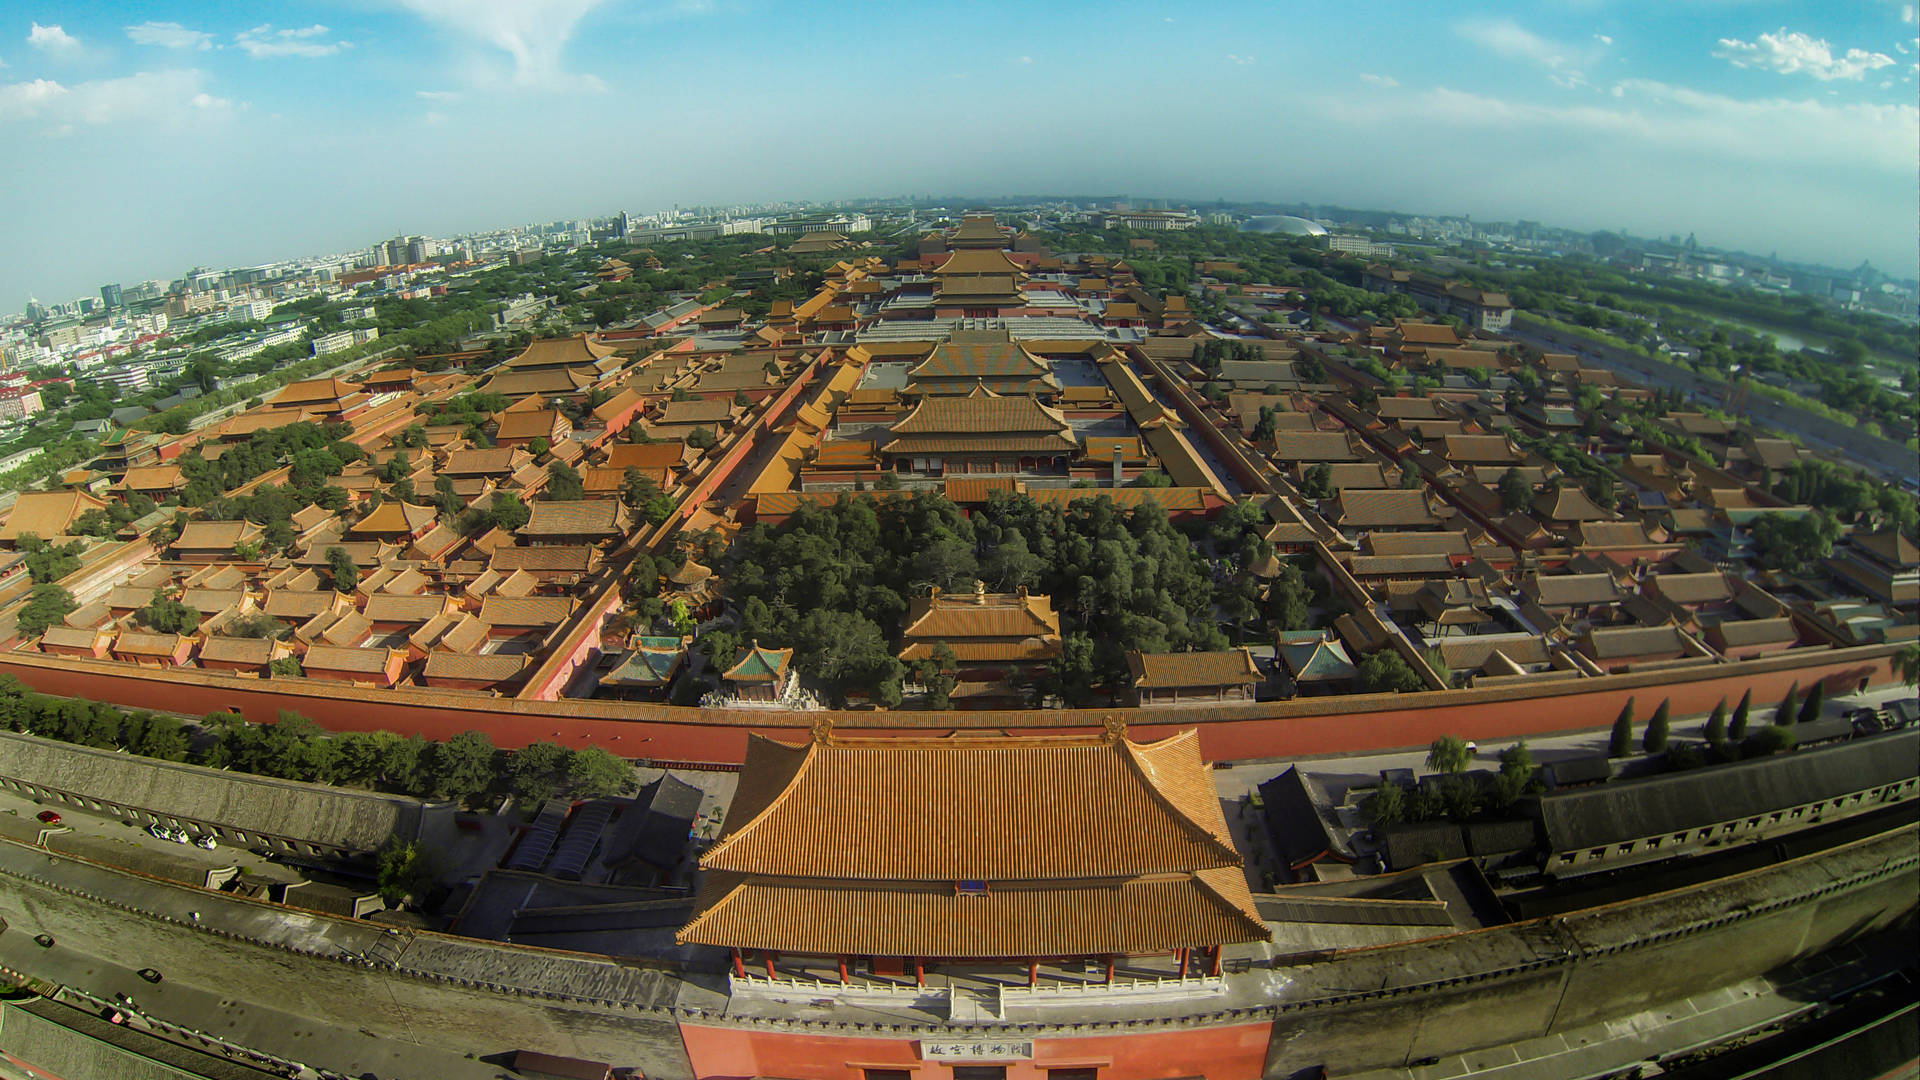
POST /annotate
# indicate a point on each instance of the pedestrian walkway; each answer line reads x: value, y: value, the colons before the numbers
x: 1671, y: 1029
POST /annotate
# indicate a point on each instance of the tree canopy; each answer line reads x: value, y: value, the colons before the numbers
x: 1121, y: 579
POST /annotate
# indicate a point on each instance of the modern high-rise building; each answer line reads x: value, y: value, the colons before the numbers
x: 110, y: 296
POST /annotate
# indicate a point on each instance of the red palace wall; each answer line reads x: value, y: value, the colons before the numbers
x: 1215, y: 1053
x: 691, y: 736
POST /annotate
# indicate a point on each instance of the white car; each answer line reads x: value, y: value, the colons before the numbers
x: 160, y: 831
x: 207, y: 842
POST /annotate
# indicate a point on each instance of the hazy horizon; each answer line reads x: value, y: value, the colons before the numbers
x: 149, y: 138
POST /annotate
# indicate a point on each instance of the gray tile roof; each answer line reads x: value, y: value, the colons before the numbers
x: 256, y: 805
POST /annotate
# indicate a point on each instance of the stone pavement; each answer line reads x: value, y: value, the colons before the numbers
x: 1673, y: 1028
x: 243, y: 1023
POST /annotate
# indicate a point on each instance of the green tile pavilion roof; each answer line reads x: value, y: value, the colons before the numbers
x: 1314, y: 657
x: 760, y: 665
x: 653, y: 662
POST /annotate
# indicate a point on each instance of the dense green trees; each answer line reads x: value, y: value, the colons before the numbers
x: 506, y: 513
x: 1317, y: 481
x: 166, y: 615
x: 642, y: 494
x: 45, y: 606
x: 403, y: 869
x: 117, y: 515
x: 342, y: 572
x: 564, y: 483
x: 1131, y: 575
x: 1793, y: 542
x: 48, y: 563
x: 1516, y: 495
x: 312, y: 452
x: 1387, y: 672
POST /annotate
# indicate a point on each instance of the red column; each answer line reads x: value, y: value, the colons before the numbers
x: 919, y: 972
x: 1033, y: 972
x: 1109, y: 969
x: 769, y: 959
x: 1217, y: 950
x: 739, y: 965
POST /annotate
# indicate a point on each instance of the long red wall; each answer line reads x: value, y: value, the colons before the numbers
x: 1271, y: 729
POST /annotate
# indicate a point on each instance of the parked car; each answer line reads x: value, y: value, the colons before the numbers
x: 149, y: 974
x: 159, y: 831
x: 48, y: 817
x: 206, y: 841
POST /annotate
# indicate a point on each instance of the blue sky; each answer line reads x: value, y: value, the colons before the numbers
x: 145, y: 137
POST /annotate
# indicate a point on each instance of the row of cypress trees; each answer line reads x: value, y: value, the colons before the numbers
x: 1722, y: 733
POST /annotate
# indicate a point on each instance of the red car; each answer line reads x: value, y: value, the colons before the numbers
x: 49, y: 817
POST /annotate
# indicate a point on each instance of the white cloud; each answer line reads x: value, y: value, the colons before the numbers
x: 1379, y: 80
x: 1907, y: 14
x: 1510, y: 39
x: 24, y: 99
x: 1815, y: 134
x: 1023, y: 59
x: 169, y: 35
x: 263, y: 42
x: 436, y: 95
x: 533, y: 34
x: 1243, y: 61
x: 1507, y: 38
x: 1792, y: 53
x: 52, y: 39
x: 156, y: 99
x: 1603, y: 39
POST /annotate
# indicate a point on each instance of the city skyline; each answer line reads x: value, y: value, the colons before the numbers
x: 165, y: 138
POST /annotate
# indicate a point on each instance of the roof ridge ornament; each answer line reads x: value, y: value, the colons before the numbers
x: 1116, y: 728
x: 823, y: 731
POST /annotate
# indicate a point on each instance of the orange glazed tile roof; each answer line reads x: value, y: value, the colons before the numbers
x: 1082, y: 845
x: 1211, y: 907
x: 47, y: 514
x: 1231, y: 667
x: 395, y: 517
x: 978, y: 261
x: 981, y: 416
x: 957, y: 617
x: 581, y: 350
x: 644, y: 456
x: 1052, y: 809
x: 586, y: 517
x: 532, y: 424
